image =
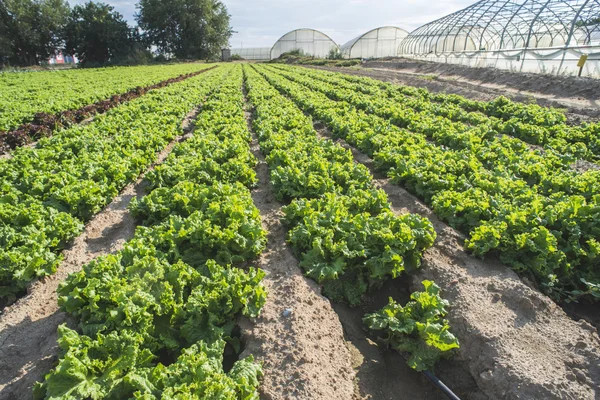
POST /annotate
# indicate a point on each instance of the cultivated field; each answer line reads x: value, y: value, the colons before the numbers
x: 239, y: 231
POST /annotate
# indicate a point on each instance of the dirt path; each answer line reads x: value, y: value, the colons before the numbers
x: 582, y: 91
x: 298, y: 336
x: 515, y: 342
x: 579, y: 110
x: 28, y: 328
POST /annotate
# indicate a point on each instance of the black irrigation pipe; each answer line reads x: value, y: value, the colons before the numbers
x: 441, y: 385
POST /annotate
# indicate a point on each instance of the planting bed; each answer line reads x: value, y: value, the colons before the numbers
x: 255, y: 231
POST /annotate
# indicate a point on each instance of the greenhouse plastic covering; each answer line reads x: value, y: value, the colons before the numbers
x: 253, y: 53
x: 309, y: 41
x: 376, y: 43
x: 507, y: 25
x: 551, y: 36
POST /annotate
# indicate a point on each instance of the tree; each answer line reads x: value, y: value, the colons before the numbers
x: 194, y: 29
x: 97, y: 34
x: 30, y: 29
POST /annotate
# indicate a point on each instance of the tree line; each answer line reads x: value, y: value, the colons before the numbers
x: 32, y: 31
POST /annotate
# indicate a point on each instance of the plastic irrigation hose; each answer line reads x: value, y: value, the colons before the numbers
x: 445, y: 389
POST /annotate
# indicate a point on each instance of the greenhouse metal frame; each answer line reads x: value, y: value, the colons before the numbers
x: 376, y: 43
x: 310, y: 42
x: 526, y: 35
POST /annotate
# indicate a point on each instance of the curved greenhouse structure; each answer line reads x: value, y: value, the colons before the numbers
x: 376, y: 43
x: 253, y: 53
x: 309, y: 41
x: 525, y: 35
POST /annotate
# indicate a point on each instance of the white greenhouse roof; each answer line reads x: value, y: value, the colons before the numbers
x: 376, y: 43
x: 310, y: 41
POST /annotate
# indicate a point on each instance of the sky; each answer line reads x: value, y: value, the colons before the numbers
x: 259, y: 23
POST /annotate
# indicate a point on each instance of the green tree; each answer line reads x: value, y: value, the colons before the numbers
x: 97, y: 34
x: 194, y: 29
x: 30, y: 30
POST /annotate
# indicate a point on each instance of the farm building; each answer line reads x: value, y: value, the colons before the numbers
x: 311, y: 42
x: 376, y: 43
x: 253, y: 53
x: 518, y: 35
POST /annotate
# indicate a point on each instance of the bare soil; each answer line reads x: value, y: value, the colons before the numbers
x: 298, y: 337
x: 28, y: 328
x: 515, y: 342
x: 580, y: 97
x: 552, y: 85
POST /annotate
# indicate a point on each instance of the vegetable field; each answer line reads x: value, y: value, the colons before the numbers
x: 291, y: 233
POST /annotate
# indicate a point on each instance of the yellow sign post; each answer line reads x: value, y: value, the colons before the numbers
x: 581, y: 62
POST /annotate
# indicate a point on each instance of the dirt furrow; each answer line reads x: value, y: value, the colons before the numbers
x: 28, y: 328
x: 298, y: 336
x: 515, y: 342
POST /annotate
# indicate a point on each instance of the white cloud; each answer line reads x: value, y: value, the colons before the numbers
x: 260, y: 23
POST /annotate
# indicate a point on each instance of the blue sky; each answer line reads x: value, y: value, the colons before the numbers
x: 260, y: 23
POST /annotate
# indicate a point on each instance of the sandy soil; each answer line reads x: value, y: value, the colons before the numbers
x: 553, y: 86
x: 28, y: 328
x: 298, y: 336
x: 519, y: 87
x: 515, y: 342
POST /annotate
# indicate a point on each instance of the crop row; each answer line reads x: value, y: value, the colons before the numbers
x: 48, y: 192
x: 547, y: 233
x: 529, y: 122
x: 44, y: 124
x: 340, y: 227
x: 157, y: 318
x: 547, y: 172
x: 22, y: 95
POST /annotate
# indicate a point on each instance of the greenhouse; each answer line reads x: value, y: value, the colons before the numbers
x: 253, y: 53
x: 309, y: 41
x: 523, y: 35
x: 376, y: 43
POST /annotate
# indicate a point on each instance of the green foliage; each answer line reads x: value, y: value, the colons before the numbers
x: 335, y: 54
x: 340, y: 227
x: 357, y: 235
x: 30, y: 30
x: 96, y: 34
x: 188, y: 29
x: 226, y: 235
x: 528, y: 207
x: 47, y: 192
x: 117, y: 366
x: 156, y: 316
x: 418, y: 328
x: 30, y: 237
x: 169, y: 304
x: 25, y: 94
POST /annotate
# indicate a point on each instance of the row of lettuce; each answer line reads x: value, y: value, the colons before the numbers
x: 157, y: 319
x: 47, y: 193
x: 539, y: 216
x: 342, y: 228
x: 45, y: 124
x: 22, y: 95
x: 532, y: 123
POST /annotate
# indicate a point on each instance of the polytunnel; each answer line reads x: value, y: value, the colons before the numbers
x: 376, y: 43
x: 309, y: 41
x: 527, y: 35
x: 253, y: 53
